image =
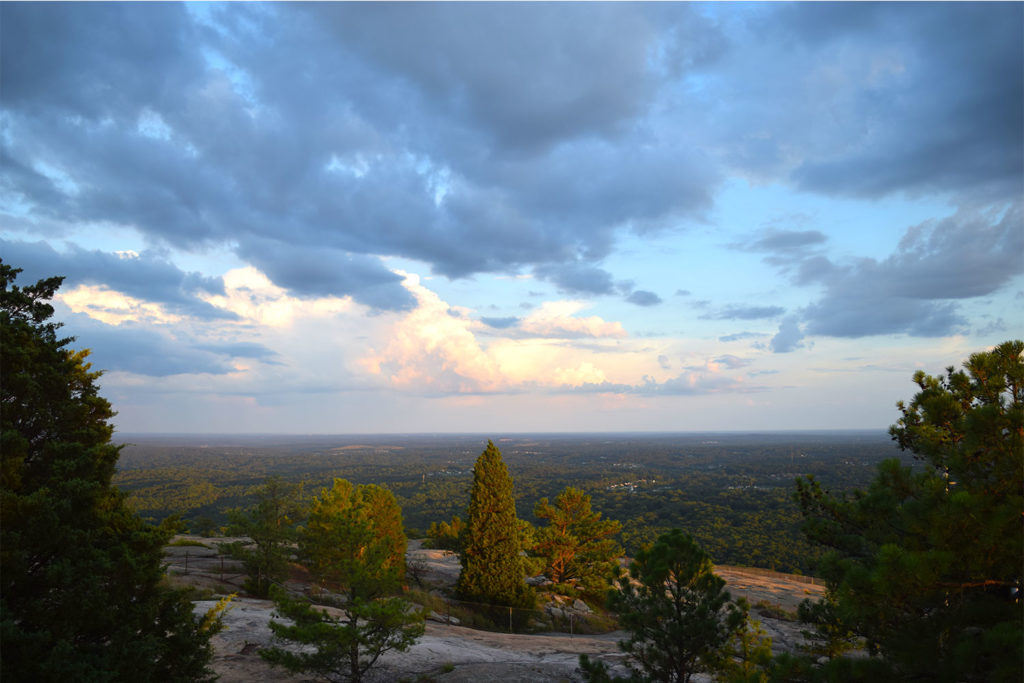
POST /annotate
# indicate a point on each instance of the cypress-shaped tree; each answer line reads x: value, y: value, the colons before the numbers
x: 492, y: 569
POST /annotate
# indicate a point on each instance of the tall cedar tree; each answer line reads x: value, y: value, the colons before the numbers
x: 926, y: 564
x: 354, y: 546
x: 270, y: 525
x: 81, y: 592
x: 576, y: 543
x: 677, y: 613
x: 492, y: 569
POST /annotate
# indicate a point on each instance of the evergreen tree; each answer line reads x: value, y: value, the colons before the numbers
x: 576, y: 543
x: 492, y: 569
x: 81, y: 592
x: 270, y: 525
x: 445, y: 536
x: 354, y: 546
x: 677, y: 612
x: 925, y: 565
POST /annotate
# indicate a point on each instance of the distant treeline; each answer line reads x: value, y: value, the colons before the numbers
x: 733, y: 493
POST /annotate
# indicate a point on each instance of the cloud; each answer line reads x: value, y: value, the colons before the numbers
x: 147, y: 277
x: 313, y: 140
x: 684, y: 384
x: 575, y: 278
x: 969, y: 254
x: 240, y: 350
x: 733, y: 312
x: 143, y: 350
x: 319, y: 272
x: 555, y: 319
x: 500, y: 323
x: 788, y: 337
x: 737, y: 336
x: 642, y: 297
x: 428, y: 350
x: 774, y: 239
x: 973, y: 140
x: 524, y: 77
x: 730, y: 361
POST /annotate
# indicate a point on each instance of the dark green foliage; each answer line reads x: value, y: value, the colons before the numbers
x: 677, y: 612
x: 576, y: 544
x: 80, y: 574
x: 270, y: 525
x: 732, y: 494
x: 354, y: 546
x: 492, y: 570
x: 925, y: 564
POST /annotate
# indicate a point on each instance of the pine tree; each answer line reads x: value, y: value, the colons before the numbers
x: 81, y: 592
x: 677, y: 613
x: 576, y: 543
x: 354, y: 546
x: 270, y: 525
x: 926, y: 564
x: 492, y: 569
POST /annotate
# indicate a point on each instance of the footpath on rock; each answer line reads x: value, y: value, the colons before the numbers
x: 449, y: 652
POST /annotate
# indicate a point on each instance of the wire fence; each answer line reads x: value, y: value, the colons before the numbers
x: 571, y: 617
x: 799, y: 578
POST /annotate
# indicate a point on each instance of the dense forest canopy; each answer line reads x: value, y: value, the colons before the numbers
x: 733, y: 492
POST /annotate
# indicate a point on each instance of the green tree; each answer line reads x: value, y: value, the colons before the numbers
x: 925, y: 565
x: 270, y: 523
x: 354, y: 546
x: 445, y: 536
x: 81, y: 577
x: 576, y: 543
x: 492, y: 569
x: 677, y: 612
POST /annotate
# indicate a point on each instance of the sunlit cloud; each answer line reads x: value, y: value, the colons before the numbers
x: 556, y: 319
x: 114, y: 308
x: 251, y: 295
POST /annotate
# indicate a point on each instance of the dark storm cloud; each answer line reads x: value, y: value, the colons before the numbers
x: 361, y: 128
x: 642, y: 297
x: 148, y: 276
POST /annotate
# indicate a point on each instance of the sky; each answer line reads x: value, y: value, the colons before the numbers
x: 354, y: 218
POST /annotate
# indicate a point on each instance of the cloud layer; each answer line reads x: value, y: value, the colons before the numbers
x: 477, y: 199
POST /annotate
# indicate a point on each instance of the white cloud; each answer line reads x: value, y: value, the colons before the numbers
x: 555, y: 319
